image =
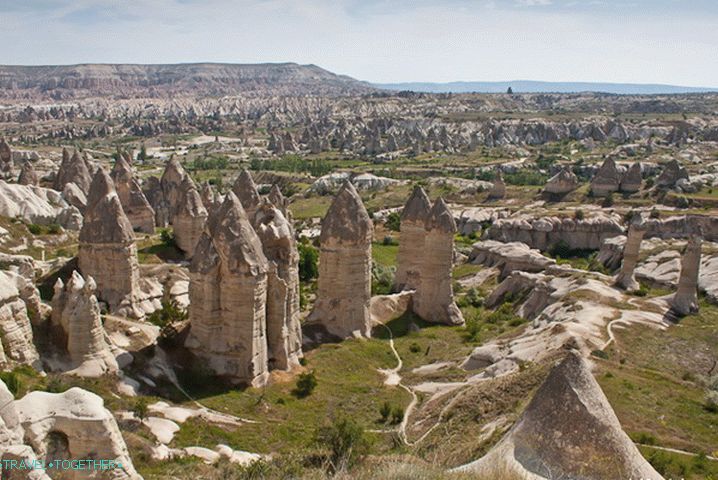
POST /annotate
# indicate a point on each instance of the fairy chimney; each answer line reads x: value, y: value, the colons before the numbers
x: 411, y: 244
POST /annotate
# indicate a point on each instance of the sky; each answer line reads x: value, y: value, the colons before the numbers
x: 632, y: 41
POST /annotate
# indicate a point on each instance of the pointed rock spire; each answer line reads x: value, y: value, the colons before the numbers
x: 73, y: 169
x: 568, y: 430
x: 245, y: 189
x: 134, y: 203
x: 632, y: 179
x: 411, y: 244
x: 607, y: 179
x: 277, y: 198
x: 344, y: 286
x: 685, y: 300
x: 189, y: 218
x: 28, y: 175
x: 626, y: 278
x: 228, y: 292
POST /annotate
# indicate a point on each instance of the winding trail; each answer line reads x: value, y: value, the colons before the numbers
x: 393, y: 373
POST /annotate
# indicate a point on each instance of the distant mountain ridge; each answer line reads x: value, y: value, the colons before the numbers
x: 211, y: 79
x: 531, y: 86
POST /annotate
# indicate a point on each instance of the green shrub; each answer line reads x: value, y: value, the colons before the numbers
x: 608, y: 201
x: 600, y: 354
x: 382, y: 279
x: 12, y: 381
x: 167, y: 236
x: 579, y: 214
x: 346, y: 442
x: 169, y: 313
x: 397, y: 415
x: 711, y: 402
x: 140, y: 408
x: 308, y: 262
x: 415, y: 348
x: 384, y: 412
x: 393, y: 221
x: 306, y: 383
x: 35, y: 229
x: 472, y: 329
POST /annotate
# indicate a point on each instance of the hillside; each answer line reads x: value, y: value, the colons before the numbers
x: 195, y: 79
x: 530, y: 86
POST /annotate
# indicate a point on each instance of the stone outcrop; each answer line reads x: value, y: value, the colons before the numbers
x: 672, y: 173
x: 434, y: 297
x: 28, y: 175
x: 133, y: 200
x: 43, y: 206
x: 284, y: 331
x: 73, y: 169
x: 228, y: 291
x: 344, y: 285
x: 74, y: 425
x: 568, y: 430
x: 632, y: 179
x: 547, y: 231
x: 277, y: 198
x: 498, y: 191
x: 152, y: 189
x: 210, y: 198
x: 626, y: 278
x: 607, y: 179
x: 411, y: 247
x: 171, y: 187
x: 685, y: 300
x: 565, y: 181
x: 74, y: 195
x: 509, y: 257
x: 189, y: 217
x: 19, y: 310
x: 6, y: 163
x: 107, y: 250
x: 76, y: 314
x: 245, y: 189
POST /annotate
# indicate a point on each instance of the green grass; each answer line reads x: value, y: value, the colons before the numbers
x: 384, y: 255
x: 466, y: 270
x: 310, y: 207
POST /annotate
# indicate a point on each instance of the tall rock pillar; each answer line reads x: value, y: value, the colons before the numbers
x: 411, y: 241
x: 434, y: 297
x: 626, y: 278
x: 685, y: 301
x: 344, y: 285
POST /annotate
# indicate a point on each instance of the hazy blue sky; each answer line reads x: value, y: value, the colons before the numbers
x: 659, y: 41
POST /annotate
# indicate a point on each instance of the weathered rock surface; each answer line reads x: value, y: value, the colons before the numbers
x: 6, y: 163
x: 210, y: 198
x: 228, y: 292
x: 498, y: 191
x: 411, y: 247
x: 284, y: 331
x: 74, y: 425
x: 73, y: 169
x: 76, y: 312
x: 133, y: 200
x: 28, y: 175
x: 544, y: 232
x: 626, y: 278
x: 37, y: 205
x: 607, y: 179
x: 685, y: 300
x: 632, y: 179
x: 189, y: 218
x: 365, y: 181
x: 170, y: 185
x: 473, y: 220
x: 344, y: 285
x: 563, y: 182
x: 152, y: 190
x: 509, y: 257
x: 19, y: 309
x: 672, y: 173
x: 107, y: 249
x: 434, y: 297
x: 245, y: 189
x: 73, y: 195
x: 277, y: 198
x: 568, y: 430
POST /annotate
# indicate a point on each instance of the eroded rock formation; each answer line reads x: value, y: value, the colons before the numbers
x: 284, y: 331
x: 245, y: 189
x: 568, y: 430
x: 28, y: 175
x: 189, y: 217
x: 228, y: 291
x: 626, y: 278
x: 19, y: 310
x: 411, y: 247
x: 434, y: 296
x: 607, y: 179
x: 562, y: 183
x: 73, y: 169
x: 133, y: 200
x: 107, y: 250
x: 344, y: 285
x: 76, y: 313
x: 632, y: 179
x: 685, y: 300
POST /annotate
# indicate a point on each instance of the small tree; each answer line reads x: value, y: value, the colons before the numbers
x: 397, y: 415
x: 308, y: 262
x: 306, y: 383
x: 140, y: 408
x: 510, y: 91
x: 393, y: 221
x: 346, y: 441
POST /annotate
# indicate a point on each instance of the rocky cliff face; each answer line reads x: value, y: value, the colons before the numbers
x: 107, y: 250
x: 344, y: 285
x: 228, y: 292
